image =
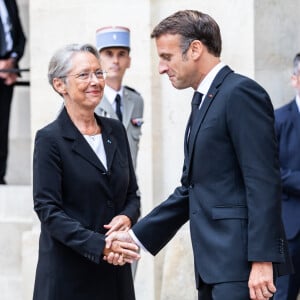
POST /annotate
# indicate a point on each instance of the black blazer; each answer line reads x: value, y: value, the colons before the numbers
x: 287, y: 121
x: 74, y: 196
x: 16, y: 31
x: 230, y: 187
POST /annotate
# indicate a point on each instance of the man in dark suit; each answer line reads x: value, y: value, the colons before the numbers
x: 230, y: 186
x: 287, y: 121
x: 12, y: 44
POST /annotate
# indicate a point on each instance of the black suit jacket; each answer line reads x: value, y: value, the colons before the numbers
x: 287, y: 121
x: 74, y: 196
x: 16, y: 28
x: 230, y: 187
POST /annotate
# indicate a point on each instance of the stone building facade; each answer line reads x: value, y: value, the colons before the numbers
x: 260, y: 38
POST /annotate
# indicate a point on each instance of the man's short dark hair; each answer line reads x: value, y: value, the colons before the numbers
x: 192, y: 25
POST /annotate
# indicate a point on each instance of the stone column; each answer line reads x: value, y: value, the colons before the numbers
x: 277, y: 41
x: 15, y: 218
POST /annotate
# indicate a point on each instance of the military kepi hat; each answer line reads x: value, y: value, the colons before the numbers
x: 112, y: 36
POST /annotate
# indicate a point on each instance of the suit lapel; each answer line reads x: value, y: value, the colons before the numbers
x: 109, y: 142
x: 295, y: 116
x: 8, y: 4
x: 199, y: 118
x: 80, y: 145
x: 186, y: 138
x: 105, y: 109
x: 207, y: 101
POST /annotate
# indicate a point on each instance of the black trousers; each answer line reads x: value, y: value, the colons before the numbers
x: 6, y: 94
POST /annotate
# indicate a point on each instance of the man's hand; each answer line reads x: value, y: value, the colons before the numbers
x: 119, y: 253
x: 120, y: 222
x: 261, y: 286
x: 9, y: 78
x: 123, y: 248
x: 3, y: 65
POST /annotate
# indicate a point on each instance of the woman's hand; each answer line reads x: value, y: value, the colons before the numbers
x: 118, y: 223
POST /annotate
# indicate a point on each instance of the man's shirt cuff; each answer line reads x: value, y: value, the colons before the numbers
x: 136, y: 240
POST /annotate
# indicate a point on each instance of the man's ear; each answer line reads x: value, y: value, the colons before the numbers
x: 196, y: 48
x: 59, y: 86
x: 129, y: 62
x: 294, y: 81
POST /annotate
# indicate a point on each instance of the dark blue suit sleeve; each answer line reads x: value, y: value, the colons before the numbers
x: 290, y: 181
x: 156, y: 229
x: 254, y: 139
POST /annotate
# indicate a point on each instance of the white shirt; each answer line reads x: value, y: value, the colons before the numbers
x: 6, y: 25
x: 111, y: 94
x: 96, y: 143
x: 208, y: 79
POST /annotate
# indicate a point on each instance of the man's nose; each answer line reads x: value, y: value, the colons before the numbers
x: 162, y: 68
x: 115, y: 58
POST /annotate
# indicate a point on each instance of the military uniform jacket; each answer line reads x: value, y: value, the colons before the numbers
x: 133, y: 108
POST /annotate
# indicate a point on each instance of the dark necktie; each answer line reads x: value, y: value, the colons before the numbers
x: 195, y: 107
x: 2, y: 40
x: 118, y: 107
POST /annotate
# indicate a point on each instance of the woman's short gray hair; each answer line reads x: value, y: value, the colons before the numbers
x: 61, y: 62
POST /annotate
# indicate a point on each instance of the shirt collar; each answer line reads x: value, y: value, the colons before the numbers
x: 208, y: 79
x: 111, y: 94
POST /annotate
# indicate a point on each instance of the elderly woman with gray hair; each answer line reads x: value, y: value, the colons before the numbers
x: 84, y: 187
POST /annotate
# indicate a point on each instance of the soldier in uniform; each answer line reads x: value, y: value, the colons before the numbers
x: 119, y: 101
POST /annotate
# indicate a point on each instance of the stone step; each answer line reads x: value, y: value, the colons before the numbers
x: 11, y: 245
x: 16, y: 218
x: 16, y: 201
x: 11, y: 287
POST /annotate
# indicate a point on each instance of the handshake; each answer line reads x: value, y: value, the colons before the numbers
x: 120, y: 248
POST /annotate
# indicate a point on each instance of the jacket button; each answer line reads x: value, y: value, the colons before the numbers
x: 191, y: 186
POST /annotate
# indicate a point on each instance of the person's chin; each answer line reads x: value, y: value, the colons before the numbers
x: 177, y: 85
x: 113, y: 74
